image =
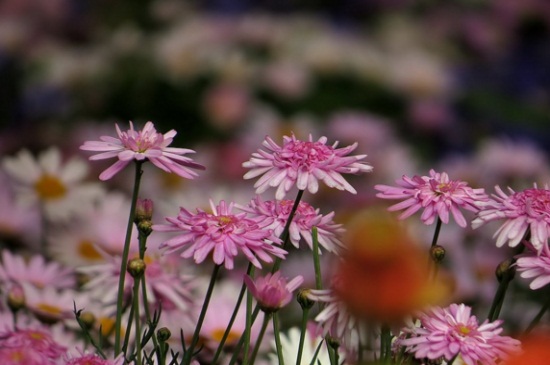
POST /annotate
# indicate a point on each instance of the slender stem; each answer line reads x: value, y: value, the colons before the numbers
x: 160, y: 352
x: 239, y: 345
x: 265, y: 323
x: 316, y: 259
x: 538, y: 317
x: 277, y: 335
x: 303, y: 330
x: 137, y: 319
x: 233, y: 317
x: 285, y: 235
x: 189, y: 352
x: 248, y: 325
x: 125, y: 253
x: 385, y: 343
x: 436, y: 232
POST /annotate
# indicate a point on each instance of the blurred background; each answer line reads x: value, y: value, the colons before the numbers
x: 441, y: 76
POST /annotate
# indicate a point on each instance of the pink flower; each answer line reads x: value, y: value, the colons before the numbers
x: 448, y: 332
x: 222, y: 232
x: 272, y: 292
x: 535, y: 266
x: 437, y: 194
x: 39, y: 341
x: 306, y: 217
x: 303, y: 163
x: 142, y: 145
x: 525, y: 211
x: 92, y: 359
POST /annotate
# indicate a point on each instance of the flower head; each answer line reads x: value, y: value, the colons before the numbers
x: 223, y: 232
x: 272, y: 291
x: 58, y: 187
x: 436, y: 194
x: 448, y: 332
x: 303, y: 163
x: 93, y: 359
x: 145, y: 144
x: 535, y: 266
x: 39, y: 340
x: 306, y: 217
x: 523, y: 211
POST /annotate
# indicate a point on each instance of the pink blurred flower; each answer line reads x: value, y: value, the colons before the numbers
x: 303, y: 163
x: 524, y: 211
x: 306, y: 217
x: 437, y: 194
x: 145, y: 144
x: 535, y: 266
x: 93, y: 359
x: 23, y: 356
x: 222, y: 232
x: 448, y: 332
x: 272, y: 292
x: 35, y: 271
x: 39, y: 341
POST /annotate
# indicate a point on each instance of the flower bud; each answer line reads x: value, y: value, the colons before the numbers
x: 303, y: 299
x: 16, y: 297
x: 87, y: 319
x: 163, y: 334
x: 505, y: 269
x: 144, y: 210
x: 136, y: 267
x: 437, y: 253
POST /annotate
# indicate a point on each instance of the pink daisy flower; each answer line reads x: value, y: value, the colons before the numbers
x: 38, y: 340
x: 306, y: 217
x: 145, y: 144
x: 222, y: 232
x: 448, y: 332
x: 36, y: 271
x: 272, y: 292
x: 436, y: 194
x: 303, y: 163
x: 524, y: 211
x: 535, y: 266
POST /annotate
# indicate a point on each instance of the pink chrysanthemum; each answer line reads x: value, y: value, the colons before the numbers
x: 93, y: 359
x: 303, y: 163
x: 535, y: 266
x: 272, y: 292
x: 36, y: 271
x: 38, y: 340
x: 276, y: 212
x: 524, y: 211
x: 453, y: 331
x: 222, y: 232
x: 145, y: 144
x: 436, y: 194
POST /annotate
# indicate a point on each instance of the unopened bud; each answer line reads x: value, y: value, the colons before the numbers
x: 332, y: 342
x: 87, y: 319
x: 437, y: 253
x: 16, y: 297
x: 505, y: 269
x: 303, y: 299
x: 163, y: 334
x: 144, y: 210
x: 145, y: 227
x: 136, y: 267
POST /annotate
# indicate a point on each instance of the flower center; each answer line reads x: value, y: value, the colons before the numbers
x: 87, y: 250
x: 232, y: 337
x: 50, y: 187
x: 535, y: 202
x: 49, y: 309
x: 17, y: 356
x: 305, y: 153
x: 463, y: 330
x: 36, y: 336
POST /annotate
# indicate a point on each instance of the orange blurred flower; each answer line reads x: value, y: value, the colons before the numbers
x: 535, y: 350
x: 383, y: 275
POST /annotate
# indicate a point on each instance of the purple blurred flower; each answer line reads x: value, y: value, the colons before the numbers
x: 272, y: 292
x: 436, y: 194
x: 303, y: 163
x: 222, y: 232
x: 145, y: 144
x: 448, y: 332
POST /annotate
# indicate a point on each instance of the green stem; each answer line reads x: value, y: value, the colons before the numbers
x: 538, y: 317
x: 189, y: 352
x: 248, y: 325
x: 160, y: 352
x: 277, y: 335
x: 233, y: 317
x: 436, y: 232
x: 385, y: 343
x: 265, y: 323
x: 316, y: 259
x: 239, y: 345
x: 125, y: 253
x: 285, y: 235
x: 303, y: 330
x: 137, y: 319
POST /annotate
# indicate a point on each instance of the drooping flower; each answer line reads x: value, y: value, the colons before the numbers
x: 272, y: 291
x: 146, y: 144
x: 534, y: 266
x: 58, y: 187
x: 303, y: 163
x: 436, y: 194
x: 453, y: 331
x: 36, y: 271
x: 522, y: 212
x: 306, y: 217
x: 222, y: 232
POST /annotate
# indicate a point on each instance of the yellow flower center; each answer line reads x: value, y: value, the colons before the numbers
x: 87, y: 250
x: 17, y: 356
x: 49, y: 309
x: 463, y: 330
x: 232, y: 337
x: 50, y: 187
x: 108, y: 326
x: 37, y: 336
